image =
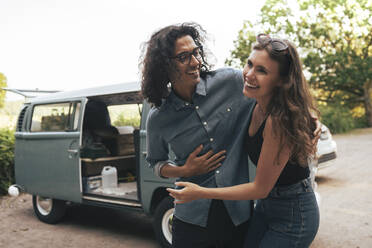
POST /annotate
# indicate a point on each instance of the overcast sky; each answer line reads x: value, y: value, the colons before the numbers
x: 73, y: 44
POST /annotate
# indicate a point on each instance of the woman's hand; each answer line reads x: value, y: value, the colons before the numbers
x: 197, y: 165
x: 317, y: 132
x: 188, y: 193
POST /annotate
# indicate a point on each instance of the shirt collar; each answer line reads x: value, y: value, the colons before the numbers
x: 201, y: 88
x: 174, y: 100
x: 178, y: 103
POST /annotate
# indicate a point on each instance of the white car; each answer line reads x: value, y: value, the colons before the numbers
x: 326, y: 148
x: 326, y: 155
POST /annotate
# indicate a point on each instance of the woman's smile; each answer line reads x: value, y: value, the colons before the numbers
x: 250, y: 85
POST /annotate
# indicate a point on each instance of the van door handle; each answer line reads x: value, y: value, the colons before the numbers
x: 75, y: 151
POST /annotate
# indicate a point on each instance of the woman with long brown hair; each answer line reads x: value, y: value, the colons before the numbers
x: 279, y: 141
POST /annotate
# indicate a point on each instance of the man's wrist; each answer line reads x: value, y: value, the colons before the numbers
x: 159, y: 166
x: 185, y: 171
x: 167, y: 169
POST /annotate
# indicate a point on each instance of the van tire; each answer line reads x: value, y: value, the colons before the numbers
x: 163, y: 222
x: 48, y: 210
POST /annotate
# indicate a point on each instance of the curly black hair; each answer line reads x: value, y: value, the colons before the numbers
x: 156, y: 59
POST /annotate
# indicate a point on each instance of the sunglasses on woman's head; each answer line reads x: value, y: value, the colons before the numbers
x: 277, y: 45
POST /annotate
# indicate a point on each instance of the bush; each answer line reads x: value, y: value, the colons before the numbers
x: 6, y: 160
x: 127, y: 121
x: 339, y: 119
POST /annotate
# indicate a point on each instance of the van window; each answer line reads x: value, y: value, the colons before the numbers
x: 125, y: 115
x: 58, y: 117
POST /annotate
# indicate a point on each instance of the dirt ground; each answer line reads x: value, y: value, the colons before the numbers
x: 346, y: 211
x: 346, y: 193
x: 83, y: 226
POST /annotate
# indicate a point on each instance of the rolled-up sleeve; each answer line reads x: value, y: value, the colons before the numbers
x: 159, y: 165
x: 157, y: 148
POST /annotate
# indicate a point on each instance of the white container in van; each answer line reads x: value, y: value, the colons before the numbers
x: 109, y: 177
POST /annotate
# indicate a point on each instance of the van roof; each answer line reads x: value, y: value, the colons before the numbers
x: 132, y: 87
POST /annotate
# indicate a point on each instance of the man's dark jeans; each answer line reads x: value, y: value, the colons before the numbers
x: 219, y: 233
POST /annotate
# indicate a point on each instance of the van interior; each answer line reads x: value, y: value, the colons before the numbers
x: 110, y: 137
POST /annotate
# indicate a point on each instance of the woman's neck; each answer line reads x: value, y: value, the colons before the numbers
x: 262, y: 105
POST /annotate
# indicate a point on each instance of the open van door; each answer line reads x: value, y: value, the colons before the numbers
x: 47, y: 161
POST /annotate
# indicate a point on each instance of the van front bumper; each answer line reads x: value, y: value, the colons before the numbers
x: 15, y: 190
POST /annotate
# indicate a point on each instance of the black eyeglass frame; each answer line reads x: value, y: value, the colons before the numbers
x: 277, y: 45
x: 197, y: 52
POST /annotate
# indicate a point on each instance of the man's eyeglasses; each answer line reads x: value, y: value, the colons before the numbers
x: 185, y: 57
x: 277, y: 45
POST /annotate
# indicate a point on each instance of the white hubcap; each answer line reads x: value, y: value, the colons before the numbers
x: 166, y: 225
x: 44, y: 205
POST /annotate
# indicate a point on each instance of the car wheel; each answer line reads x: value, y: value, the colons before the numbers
x: 48, y: 210
x: 163, y: 222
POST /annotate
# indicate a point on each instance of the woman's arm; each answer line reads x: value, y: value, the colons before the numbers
x: 268, y: 171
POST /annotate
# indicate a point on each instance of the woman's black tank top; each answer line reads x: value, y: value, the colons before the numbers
x: 292, y: 173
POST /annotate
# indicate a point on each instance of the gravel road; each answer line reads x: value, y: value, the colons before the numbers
x: 346, y: 193
x: 346, y: 211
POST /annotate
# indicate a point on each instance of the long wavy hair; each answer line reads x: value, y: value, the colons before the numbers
x: 156, y: 62
x: 292, y: 108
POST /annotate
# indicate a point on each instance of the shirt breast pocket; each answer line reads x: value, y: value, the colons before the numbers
x: 226, y: 118
x: 185, y: 138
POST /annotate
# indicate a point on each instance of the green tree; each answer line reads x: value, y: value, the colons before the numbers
x: 123, y: 120
x: 6, y: 160
x: 3, y: 84
x: 334, y: 39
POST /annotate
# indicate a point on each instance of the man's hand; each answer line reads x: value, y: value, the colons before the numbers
x: 197, y: 165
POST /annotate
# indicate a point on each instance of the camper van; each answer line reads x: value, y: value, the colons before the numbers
x: 89, y: 147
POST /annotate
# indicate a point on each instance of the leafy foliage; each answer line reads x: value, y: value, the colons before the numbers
x: 3, y: 84
x: 9, y: 114
x: 126, y: 115
x: 335, y: 40
x: 6, y: 160
x: 338, y: 118
x: 125, y: 121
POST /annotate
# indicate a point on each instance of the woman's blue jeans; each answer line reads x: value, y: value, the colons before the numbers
x: 288, y: 217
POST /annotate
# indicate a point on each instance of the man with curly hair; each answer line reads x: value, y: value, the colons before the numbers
x: 202, y: 116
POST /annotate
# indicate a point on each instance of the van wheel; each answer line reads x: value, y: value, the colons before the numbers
x: 48, y: 210
x: 163, y: 222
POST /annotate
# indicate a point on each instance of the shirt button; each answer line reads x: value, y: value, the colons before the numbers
x: 196, y: 107
x: 211, y: 139
x: 205, y: 123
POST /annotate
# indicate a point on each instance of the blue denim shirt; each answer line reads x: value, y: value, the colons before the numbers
x: 217, y: 118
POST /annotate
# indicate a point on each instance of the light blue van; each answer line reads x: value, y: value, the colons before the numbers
x: 66, y: 141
